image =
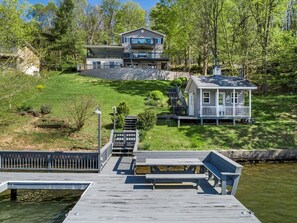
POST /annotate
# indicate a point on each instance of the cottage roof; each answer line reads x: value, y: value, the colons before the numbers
x: 221, y: 82
x: 153, y: 31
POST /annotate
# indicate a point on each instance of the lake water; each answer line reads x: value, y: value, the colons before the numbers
x: 270, y: 191
x: 40, y: 206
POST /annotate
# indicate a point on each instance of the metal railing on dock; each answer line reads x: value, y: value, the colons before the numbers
x: 50, y: 161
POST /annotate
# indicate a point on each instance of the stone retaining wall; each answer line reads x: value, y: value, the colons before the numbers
x: 134, y: 74
x: 261, y: 155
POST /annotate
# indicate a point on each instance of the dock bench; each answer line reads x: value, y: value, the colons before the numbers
x: 175, y: 178
x: 224, y: 170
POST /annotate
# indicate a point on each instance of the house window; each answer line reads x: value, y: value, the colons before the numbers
x: 126, y: 40
x: 234, y: 99
x: 159, y: 41
x: 206, y: 97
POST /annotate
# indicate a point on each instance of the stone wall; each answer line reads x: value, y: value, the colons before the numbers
x: 261, y: 155
x: 134, y: 74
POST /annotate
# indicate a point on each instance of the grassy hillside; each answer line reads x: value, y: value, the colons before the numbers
x: 275, y: 115
x: 59, y: 93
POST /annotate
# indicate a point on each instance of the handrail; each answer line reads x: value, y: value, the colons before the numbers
x: 106, y: 151
x: 181, y: 97
x: 135, y: 148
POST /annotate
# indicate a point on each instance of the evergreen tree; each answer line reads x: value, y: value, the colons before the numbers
x: 67, y: 49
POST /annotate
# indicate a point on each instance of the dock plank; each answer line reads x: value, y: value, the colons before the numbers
x: 114, y: 197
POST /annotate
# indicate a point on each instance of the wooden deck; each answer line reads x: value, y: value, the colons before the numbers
x: 116, y: 195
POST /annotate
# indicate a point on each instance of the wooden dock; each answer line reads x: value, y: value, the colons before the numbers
x: 116, y: 195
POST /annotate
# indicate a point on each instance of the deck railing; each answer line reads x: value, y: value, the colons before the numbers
x: 124, y: 139
x: 209, y: 111
x: 226, y: 111
x: 50, y: 161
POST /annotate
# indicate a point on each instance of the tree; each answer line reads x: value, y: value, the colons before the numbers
x: 13, y: 30
x: 67, y: 49
x: 14, y: 34
x: 110, y: 9
x: 93, y: 24
x: 79, y: 110
x: 130, y: 16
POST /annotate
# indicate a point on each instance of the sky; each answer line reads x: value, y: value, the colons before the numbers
x: 146, y: 4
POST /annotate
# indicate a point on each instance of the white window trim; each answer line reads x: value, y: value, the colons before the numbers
x: 206, y: 97
x: 236, y: 97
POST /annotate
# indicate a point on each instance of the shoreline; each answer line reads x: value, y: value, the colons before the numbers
x: 275, y: 155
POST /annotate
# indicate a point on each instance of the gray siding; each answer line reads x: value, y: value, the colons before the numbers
x: 241, y: 101
x: 146, y: 34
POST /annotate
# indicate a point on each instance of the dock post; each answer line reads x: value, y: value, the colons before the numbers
x: 217, y: 121
x: 13, y: 194
x: 178, y: 122
x: 233, y: 121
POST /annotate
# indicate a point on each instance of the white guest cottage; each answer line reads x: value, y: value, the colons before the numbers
x: 220, y: 97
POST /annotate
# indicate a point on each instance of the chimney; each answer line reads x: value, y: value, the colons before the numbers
x: 217, y: 70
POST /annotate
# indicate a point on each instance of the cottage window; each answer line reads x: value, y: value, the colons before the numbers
x: 159, y: 41
x: 206, y: 97
x: 234, y: 99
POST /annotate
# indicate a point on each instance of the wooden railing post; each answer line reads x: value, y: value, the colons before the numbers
x: 0, y: 162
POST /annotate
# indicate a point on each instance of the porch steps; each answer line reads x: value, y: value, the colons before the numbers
x: 175, y: 102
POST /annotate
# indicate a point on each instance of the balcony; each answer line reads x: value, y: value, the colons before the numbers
x: 142, y: 43
x: 145, y: 56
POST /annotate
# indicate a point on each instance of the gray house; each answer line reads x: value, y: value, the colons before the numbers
x: 140, y: 48
x: 219, y: 97
x: 144, y: 48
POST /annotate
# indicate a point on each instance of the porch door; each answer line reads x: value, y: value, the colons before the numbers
x: 191, y: 104
x: 222, y: 103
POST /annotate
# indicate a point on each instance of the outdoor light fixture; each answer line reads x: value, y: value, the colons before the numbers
x: 98, y: 112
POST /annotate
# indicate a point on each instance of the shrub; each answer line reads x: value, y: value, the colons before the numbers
x: 153, y: 103
x: 183, y: 79
x: 156, y: 95
x: 80, y: 109
x: 123, y: 109
x: 45, y: 109
x: 24, y: 108
x: 120, y: 121
x: 35, y: 113
x: 146, y: 120
x: 177, y: 82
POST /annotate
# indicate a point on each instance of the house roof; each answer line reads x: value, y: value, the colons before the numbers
x: 142, y: 28
x: 220, y: 82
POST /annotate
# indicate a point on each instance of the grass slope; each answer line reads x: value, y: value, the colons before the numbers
x: 275, y: 115
x: 59, y: 93
x: 275, y: 128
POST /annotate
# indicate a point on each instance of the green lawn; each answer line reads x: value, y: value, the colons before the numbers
x: 275, y: 115
x: 59, y: 92
x: 275, y: 128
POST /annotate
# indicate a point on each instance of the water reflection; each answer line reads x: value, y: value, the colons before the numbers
x: 44, y: 206
x: 270, y: 191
